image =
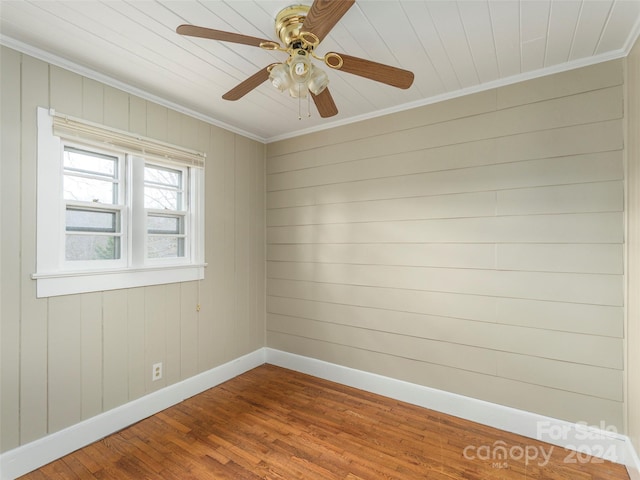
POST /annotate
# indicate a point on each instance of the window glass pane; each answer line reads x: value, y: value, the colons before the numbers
x: 162, y: 176
x: 165, y: 247
x: 164, y: 224
x: 90, y: 162
x: 91, y: 220
x: 163, y: 188
x: 89, y: 190
x: 92, y: 247
x: 162, y: 199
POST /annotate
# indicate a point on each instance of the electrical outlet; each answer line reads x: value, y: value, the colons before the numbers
x: 156, y: 373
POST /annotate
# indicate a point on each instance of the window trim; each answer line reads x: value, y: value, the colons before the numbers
x: 184, y: 188
x: 119, y: 206
x: 51, y: 279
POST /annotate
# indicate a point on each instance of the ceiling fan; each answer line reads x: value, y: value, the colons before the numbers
x: 301, y: 28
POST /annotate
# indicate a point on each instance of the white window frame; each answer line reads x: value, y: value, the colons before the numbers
x: 186, y: 188
x: 56, y: 276
x: 88, y: 265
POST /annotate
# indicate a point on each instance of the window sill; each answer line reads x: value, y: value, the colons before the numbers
x: 67, y: 283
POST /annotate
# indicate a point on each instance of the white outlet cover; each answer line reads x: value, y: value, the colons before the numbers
x: 156, y: 371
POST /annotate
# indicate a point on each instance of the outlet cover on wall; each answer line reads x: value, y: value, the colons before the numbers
x: 156, y: 371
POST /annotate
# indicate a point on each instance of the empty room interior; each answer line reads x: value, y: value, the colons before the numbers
x: 346, y: 239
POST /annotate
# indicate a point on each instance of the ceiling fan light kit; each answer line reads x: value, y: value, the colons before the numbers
x: 300, y: 66
x: 279, y: 76
x: 318, y: 80
x: 301, y: 28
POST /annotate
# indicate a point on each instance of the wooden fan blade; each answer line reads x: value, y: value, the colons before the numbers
x: 202, y: 32
x: 325, y: 104
x: 396, y: 77
x: 249, y: 84
x: 323, y: 16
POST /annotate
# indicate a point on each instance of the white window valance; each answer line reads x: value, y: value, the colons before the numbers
x: 69, y: 127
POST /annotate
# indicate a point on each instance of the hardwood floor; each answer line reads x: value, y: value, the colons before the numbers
x: 275, y: 424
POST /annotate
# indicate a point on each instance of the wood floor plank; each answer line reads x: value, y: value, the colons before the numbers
x: 276, y: 424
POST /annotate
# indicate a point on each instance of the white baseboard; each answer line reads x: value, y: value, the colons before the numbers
x: 597, y: 442
x: 633, y: 462
x: 575, y: 437
x: 31, y: 456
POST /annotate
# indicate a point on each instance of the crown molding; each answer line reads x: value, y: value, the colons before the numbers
x: 632, y: 39
x: 502, y: 82
x: 120, y: 85
x: 113, y: 82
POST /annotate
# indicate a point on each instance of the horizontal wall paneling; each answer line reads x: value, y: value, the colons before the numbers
x: 480, y: 252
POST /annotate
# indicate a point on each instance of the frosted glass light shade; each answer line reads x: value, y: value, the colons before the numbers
x: 300, y: 67
x: 279, y: 77
x: 318, y: 81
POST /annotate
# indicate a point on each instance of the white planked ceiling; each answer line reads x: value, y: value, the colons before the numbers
x: 453, y: 47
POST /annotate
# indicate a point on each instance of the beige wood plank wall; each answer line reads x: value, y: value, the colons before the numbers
x: 474, y: 246
x: 633, y: 227
x: 65, y: 359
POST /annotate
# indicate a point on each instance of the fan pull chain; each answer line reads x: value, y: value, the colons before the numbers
x: 309, y: 105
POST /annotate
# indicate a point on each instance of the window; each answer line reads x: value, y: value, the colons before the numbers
x: 94, y: 201
x: 165, y: 207
x: 114, y: 210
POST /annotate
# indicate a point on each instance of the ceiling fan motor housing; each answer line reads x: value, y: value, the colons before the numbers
x: 289, y: 23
